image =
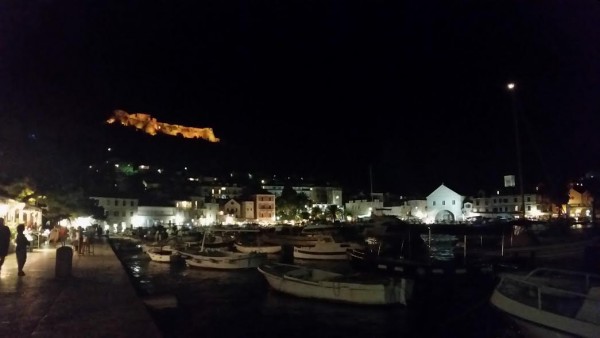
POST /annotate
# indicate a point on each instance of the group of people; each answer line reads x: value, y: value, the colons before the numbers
x: 21, y: 245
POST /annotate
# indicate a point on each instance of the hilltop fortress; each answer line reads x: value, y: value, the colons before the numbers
x: 150, y: 125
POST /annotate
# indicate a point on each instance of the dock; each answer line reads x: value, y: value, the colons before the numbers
x: 97, y: 300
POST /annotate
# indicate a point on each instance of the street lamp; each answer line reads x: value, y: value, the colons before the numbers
x: 511, y: 88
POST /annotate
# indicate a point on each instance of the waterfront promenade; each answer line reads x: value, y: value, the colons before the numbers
x: 98, y: 300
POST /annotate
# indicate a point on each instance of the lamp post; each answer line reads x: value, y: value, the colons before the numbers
x: 511, y: 88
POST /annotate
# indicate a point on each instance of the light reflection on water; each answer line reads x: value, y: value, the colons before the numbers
x: 240, y: 304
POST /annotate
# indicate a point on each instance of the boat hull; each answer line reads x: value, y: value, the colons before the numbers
x: 324, y: 285
x: 163, y: 256
x: 551, y: 306
x: 325, y: 249
x: 299, y: 240
x: 227, y: 261
x: 307, y: 253
x: 268, y: 249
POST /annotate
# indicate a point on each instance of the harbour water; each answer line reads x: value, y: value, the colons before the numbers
x: 240, y: 304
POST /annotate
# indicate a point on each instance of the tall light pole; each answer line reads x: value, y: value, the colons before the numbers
x: 511, y: 88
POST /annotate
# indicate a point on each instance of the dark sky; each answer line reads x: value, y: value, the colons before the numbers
x: 323, y: 87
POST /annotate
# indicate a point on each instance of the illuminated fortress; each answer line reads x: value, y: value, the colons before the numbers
x: 150, y: 125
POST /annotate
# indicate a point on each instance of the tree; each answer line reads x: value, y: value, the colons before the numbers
x: 558, y: 194
x: 69, y: 203
x: 316, y: 213
x: 23, y: 190
x: 333, y: 212
x: 290, y: 204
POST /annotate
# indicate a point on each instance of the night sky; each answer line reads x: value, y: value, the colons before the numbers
x: 414, y: 89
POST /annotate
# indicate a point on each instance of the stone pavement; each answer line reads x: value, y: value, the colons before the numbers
x: 98, y: 300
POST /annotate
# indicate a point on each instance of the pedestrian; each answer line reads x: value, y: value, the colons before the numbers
x: 21, y: 251
x: 4, y: 241
x: 80, y: 240
x: 75, y: 239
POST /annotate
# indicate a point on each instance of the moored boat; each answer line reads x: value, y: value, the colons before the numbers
x: 290, y: 239
x: 225, y: 260
x: 551, y: 302
x: 261, y: 248
x: 163, y: 255
x: 326, y: 248
x: 307, y: 282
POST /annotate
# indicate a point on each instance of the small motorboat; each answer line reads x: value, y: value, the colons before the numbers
x: 326, y: 248
x: 307, y: 282
x: 224, y: 260
x: 163, y: 255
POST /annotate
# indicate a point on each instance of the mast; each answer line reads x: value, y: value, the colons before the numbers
x: 371, y: 180
x: 511, y: 89
x: 203, y: 239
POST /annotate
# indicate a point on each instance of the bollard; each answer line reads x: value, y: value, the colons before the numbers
x: 64, y: 262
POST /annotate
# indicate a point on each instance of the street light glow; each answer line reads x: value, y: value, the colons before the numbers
x: 510, y: 86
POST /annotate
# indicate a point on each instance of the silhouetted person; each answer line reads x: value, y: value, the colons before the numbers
x: 21, y: 251
x: 80, y: 240
x: 4, y: 241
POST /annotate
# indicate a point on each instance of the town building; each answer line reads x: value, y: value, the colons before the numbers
x: 118, y: 211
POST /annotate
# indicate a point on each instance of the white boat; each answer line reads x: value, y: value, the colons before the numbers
x: 264, y: 248
x: 326, y: 248
x: 551, y: 302
x: 211, y: 241
x: 219, y: 259
x: 163, y: 255
x: 156, y: 246
x: 225, y: 260
x: 306, y: 282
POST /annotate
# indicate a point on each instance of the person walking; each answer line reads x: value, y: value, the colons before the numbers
x: 21, y: 251
x: 80, y: 240
x: 4, y: 241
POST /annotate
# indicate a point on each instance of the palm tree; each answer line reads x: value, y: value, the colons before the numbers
x: 333, y: 212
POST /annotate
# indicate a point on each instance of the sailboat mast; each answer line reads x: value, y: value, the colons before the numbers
x: 203, y: 238
x: 511, y: 88
x: 371, y: 180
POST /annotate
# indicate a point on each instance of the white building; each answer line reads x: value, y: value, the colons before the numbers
x: 118, y: 211
x: 444, y: 206
x: 147, y: 216
x: 410, y: 211
x: 15, y: 213
x: 362, y: 208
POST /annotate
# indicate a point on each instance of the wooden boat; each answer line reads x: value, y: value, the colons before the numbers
x: 306, y: 282
x: 157, y: 246
x: 212, y: 241
x: 225, y: 260
x: 219, y: 259
x: 326, y: 248
x: 163, y: 255
x: 551, y: 302
x: 264, y: 248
